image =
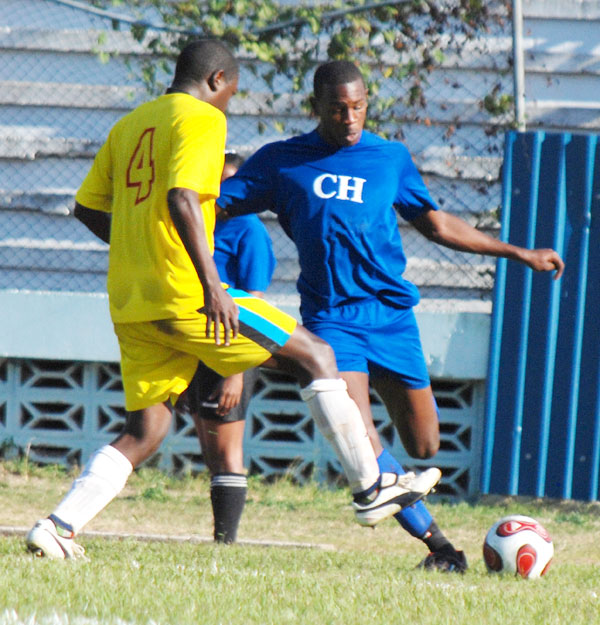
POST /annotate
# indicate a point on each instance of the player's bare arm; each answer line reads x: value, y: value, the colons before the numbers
x: 219, y: 307
x: 97, y: 222
x: 229, y: 393
x: 451, y: 231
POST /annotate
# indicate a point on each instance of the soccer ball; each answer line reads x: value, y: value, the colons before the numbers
x: 519, y: 545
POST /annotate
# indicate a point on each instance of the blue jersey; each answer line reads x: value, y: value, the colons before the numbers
x: 243, y: 253
x: 337, y: 205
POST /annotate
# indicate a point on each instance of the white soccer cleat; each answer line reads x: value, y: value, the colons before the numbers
x: 395, y: 493
x: 44, y: 541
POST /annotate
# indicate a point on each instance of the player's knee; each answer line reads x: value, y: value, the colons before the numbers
x: 225, y: 460
x: 423, y: 445
x: 324, y: 358
x: 423, y: 449
x: 147, y: 445
x: 308, y: 357
x: 143, y: 434
x: 324, y: 352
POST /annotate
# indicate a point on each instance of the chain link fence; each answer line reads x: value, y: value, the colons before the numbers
x: 68, y: 74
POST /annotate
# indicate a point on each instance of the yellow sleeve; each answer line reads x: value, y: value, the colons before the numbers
x: 198, y: 152
x: 96, y: 190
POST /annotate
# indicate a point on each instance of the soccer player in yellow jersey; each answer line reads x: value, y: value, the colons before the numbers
x: 151, y: 194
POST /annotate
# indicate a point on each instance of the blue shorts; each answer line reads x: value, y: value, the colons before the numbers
x: 375, y: 339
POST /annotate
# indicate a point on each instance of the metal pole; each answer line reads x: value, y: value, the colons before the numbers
x: 522, y: 346
x: 492, y: 391
x: 550, y: 347
x: 573, y: 370
x: 518, y: 64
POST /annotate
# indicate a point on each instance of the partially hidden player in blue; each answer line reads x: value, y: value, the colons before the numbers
x: 245, y: 260
x: 337, y: 192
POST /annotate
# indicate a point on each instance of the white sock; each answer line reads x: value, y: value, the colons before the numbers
x: 340, y: 422
x: 102, y: 479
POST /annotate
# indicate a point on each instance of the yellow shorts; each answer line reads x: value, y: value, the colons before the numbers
x: 159, y: 358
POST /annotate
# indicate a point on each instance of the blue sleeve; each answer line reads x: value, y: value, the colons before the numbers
x: 413, y: 198
x: 255, y: 259
x: 251, y: 190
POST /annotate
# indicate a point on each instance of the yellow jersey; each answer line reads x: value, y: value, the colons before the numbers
x: 172, y: 141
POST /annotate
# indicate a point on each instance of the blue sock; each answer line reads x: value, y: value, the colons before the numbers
x: 416, y: 518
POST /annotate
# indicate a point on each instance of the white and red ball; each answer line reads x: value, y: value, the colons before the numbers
x: 519, y: 545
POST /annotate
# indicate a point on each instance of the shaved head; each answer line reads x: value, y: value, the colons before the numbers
x: 333, y: 74
x: 201, y: 58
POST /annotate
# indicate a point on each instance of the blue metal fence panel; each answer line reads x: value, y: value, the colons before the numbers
x: 543, y: 400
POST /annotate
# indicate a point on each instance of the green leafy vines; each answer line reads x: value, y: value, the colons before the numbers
x: 402, y: 41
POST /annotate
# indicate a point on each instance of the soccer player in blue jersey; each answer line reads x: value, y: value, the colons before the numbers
x: 245, y: 260
x: 337, y: 191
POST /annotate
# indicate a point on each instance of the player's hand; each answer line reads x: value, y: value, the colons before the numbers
x: 229, y: 394
x: 545, y: 260
x: 220, y: 311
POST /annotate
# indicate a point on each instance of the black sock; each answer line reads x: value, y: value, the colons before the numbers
x: 228, y: 496
x: 435, y: 539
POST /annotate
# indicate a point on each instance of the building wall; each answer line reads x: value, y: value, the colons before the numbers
x: 57, y: 103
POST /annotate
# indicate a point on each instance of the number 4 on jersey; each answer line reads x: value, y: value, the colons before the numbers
x: 140, y: 172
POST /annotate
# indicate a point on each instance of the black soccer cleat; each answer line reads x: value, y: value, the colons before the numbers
x: 446, y: 561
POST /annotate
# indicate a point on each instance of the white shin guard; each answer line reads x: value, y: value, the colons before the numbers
x: 102, y: 479
x: 340, y: 422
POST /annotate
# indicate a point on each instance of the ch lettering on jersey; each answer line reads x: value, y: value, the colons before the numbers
x: 350, y: 188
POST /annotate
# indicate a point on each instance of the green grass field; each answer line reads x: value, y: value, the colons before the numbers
x: 351, y: 575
